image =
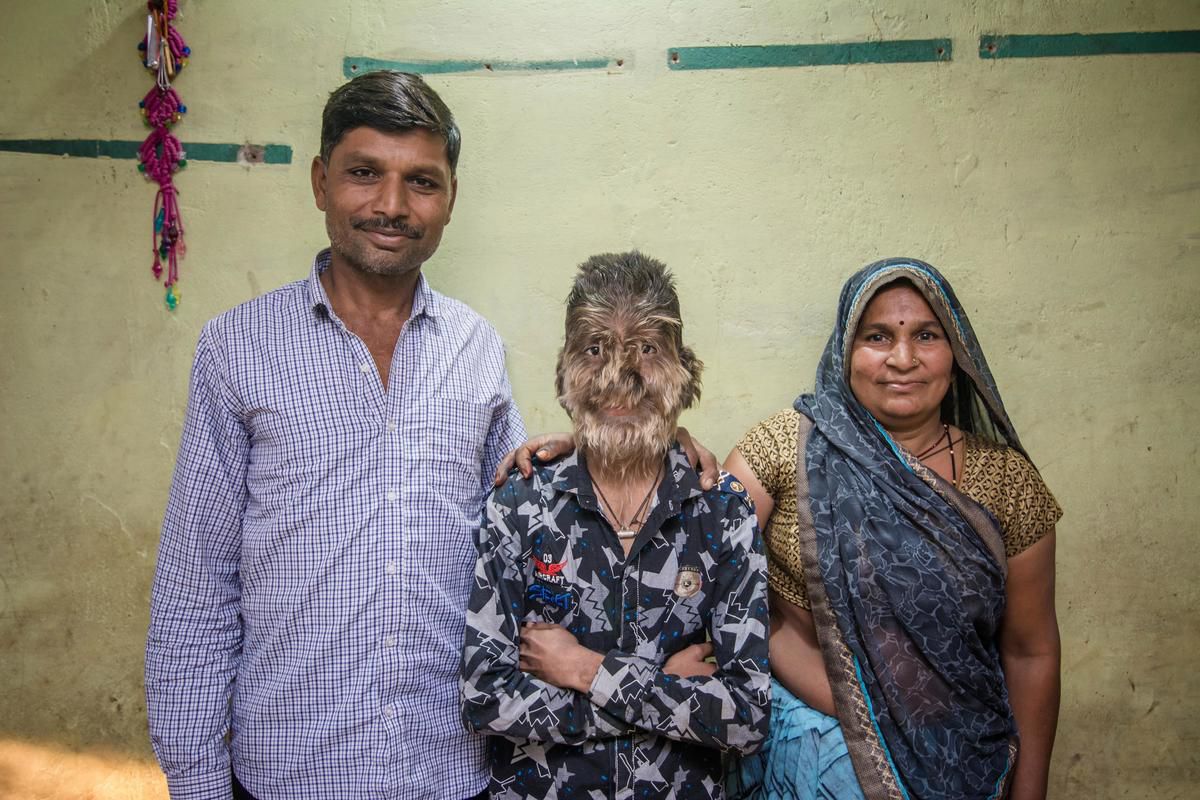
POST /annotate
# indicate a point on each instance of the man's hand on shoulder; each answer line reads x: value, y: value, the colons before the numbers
x: 547, y: 447
x: 553, y: 446
x: 700, y: 457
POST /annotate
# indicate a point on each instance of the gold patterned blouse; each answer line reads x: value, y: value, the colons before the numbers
x: 995, y: 476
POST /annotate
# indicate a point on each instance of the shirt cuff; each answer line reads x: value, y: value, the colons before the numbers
x: 201, y: 785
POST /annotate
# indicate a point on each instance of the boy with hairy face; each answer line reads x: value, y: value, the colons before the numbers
x: 606, y: 578
x: 624, y: 374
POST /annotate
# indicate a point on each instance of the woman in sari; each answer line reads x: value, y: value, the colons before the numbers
x: 913, y: 642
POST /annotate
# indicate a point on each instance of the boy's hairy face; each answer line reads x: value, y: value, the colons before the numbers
x: 624, y: 384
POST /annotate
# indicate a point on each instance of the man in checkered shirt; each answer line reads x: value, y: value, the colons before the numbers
x: 317, y: 549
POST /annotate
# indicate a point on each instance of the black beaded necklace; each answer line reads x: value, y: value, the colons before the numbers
x: 940, y: 444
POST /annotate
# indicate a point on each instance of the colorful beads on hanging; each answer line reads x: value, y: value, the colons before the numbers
x: 164, y: 52
x: 162, y: 108
x: 162, y: 49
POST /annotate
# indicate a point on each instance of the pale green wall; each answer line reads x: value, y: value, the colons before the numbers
x: 1061, y: 196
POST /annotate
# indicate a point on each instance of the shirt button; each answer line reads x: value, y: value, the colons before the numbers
x: 364, y: 367
x: 392, y: 495
x: 389, y: 641
x: 389, y: 711
x: 390, y: 567
x: 391, y: 426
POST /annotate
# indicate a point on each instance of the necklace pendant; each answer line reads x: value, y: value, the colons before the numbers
x: 625, y: 533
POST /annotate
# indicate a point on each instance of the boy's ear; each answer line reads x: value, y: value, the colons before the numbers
x: 694, y: 366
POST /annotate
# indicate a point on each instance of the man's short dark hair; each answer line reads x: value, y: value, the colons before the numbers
x: 392, y: 102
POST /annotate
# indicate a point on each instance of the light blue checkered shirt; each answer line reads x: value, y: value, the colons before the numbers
x: 317, y: 553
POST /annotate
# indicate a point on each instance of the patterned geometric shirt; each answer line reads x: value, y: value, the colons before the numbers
x: 317, y: 553
x: 696, y: 571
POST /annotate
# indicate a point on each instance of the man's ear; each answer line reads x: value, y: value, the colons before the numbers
x: 319, y: 174
x: 453, y: 197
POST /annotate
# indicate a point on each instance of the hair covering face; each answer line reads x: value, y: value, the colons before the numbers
x: 906, y: 574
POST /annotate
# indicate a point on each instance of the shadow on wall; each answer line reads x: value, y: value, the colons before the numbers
x: 48, y: 772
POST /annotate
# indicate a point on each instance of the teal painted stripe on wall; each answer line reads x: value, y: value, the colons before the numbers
x: 119, y: 148
x: 898, y: 51
x: 1087, y: 44
x: 357, y: 65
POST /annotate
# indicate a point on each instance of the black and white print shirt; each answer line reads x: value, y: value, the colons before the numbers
x: 696, y: 571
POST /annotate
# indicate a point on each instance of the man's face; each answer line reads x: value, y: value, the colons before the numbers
x: 386, y: 198
x: 624, y: 384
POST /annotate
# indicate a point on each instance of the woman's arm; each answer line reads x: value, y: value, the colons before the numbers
x: 735, y: 464
x: 1031, y: 655
x: 794, y: 651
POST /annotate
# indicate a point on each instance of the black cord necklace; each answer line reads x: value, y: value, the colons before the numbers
x: 943, y: 442
x: 626, y: 530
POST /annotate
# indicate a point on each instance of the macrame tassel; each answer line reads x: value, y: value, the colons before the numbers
x: 160, y: 156
x: 162, y: 108
x: 166, y: 236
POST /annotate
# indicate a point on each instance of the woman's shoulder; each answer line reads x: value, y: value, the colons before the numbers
x: 770, y: 448
x: 1000, y: 462
x: 781, y: 428
x: 1007, y: 484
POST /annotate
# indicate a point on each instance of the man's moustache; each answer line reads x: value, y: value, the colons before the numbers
x: 384, y: 224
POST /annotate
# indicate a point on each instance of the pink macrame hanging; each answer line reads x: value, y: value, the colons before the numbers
x: 164, y: 53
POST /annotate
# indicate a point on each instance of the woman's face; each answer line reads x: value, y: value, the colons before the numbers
x: 900, y: 361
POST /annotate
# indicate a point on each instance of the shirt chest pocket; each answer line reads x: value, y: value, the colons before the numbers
x: 446, y: 439
x: 301, y: 443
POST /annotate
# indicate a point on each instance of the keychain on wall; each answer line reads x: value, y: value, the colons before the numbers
x: 164, y: 53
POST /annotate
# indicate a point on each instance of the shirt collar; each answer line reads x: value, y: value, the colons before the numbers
x: 425, y: 299
x: 680, y: 482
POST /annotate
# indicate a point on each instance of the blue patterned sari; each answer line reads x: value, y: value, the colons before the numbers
x: 906, y: 577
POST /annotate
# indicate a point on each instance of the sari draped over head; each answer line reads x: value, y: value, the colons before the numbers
x: 906, y: 574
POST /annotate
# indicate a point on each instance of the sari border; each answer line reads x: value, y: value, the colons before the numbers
x: 877, y: 774
x: 976, y: 516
